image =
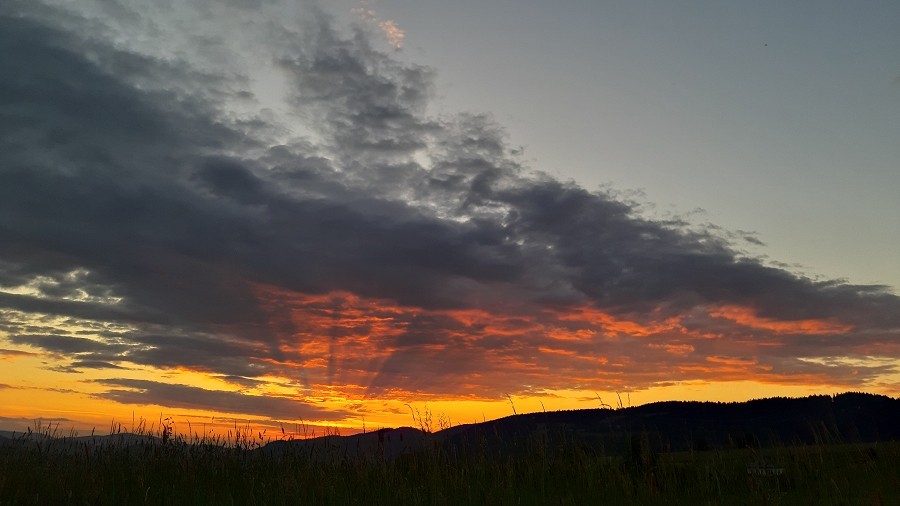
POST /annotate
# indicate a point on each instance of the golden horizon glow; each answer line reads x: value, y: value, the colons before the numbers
x: 84, y: 415
x: 341, y: 346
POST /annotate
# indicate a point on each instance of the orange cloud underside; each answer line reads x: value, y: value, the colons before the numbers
x: 748, y: 318
x: 372, y: 356
x: 611, y: 326
x: 350, y: 343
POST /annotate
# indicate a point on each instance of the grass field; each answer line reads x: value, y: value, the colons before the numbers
x: 38, y: 469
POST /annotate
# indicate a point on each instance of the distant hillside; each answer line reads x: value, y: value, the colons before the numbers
x: 677, y: 426
x: 47, y: 442
x: 661, y: 426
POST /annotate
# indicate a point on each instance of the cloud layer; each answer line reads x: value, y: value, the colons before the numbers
x: 155, y: 212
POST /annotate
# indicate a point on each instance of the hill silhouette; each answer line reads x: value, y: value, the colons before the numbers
x: 658, y: 427
x: 692, y: 425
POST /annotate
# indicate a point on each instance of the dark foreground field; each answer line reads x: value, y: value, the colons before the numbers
x: 169, y: 474
x: 492, y: 464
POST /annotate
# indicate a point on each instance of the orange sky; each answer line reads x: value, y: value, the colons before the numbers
x: 339, y: 352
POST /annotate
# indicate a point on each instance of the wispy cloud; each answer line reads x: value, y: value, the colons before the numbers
x: 130, y: 391
x: 366, y: 12
x: 13, y: 354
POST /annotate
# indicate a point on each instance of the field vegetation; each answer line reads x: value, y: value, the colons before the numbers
x: 160, y: 467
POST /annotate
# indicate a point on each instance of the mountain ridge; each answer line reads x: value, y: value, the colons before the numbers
x: 850, y: 417
x: 664, y: 426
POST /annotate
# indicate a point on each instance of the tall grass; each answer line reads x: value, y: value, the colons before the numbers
x: 162, y: 467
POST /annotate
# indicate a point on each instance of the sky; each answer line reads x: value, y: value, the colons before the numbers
x: 340, y: 215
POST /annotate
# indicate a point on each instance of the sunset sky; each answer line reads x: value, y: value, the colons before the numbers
x: 275, y: 212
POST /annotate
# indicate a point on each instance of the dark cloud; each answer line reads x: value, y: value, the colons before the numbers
x: 370, y: 106
x: 94, y: 364
x: 21, y: 425
x: 6, y: 354
x: 232, y: 357
x: 242, y: 381
x: 129, y: 391
x: 132, y: 195
x: 66, y: 345
x: 84, y: 353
